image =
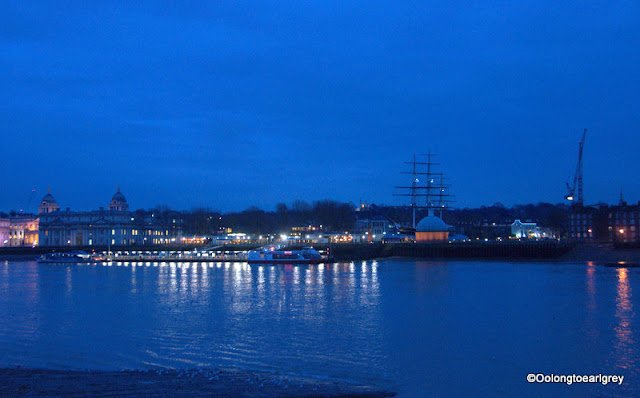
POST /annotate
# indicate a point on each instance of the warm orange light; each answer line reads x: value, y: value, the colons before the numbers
x: 621, y: 231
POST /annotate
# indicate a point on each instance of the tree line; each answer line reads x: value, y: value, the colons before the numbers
x: 335, y: 216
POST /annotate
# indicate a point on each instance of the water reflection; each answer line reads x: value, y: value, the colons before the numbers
x: 592, y: 328
x: 68, y: 281
x: 625, y: 344
x: 371, y: 321
x: 591, y: 286
x: 173, y: 284
x: 134, y: 284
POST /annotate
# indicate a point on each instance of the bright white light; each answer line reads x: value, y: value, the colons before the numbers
x: 283, y: 237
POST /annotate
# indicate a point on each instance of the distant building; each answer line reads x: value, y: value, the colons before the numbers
x: 19, y: 230
x: 432, y: 229
x: 369, y: 224
x: 300, y: 232
x: 23, y: 230
x: 398, y: 238
x: 116, y: 226
x: 484, y: 229
x: 603, y: 223
x: 4, y: 232
x: 583, y: 222
x: 48, y: 204
x: 623, y: 224
x: 376, y: 225
x: 521, y: 229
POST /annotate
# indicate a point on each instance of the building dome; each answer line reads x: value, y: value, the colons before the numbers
x: 118, y: 202
x: 432, y: 224
x: 432, y: 229
x: 48, y: 199
x: 48, y: 204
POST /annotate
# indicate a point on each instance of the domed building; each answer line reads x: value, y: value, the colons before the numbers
x: 115, y: 226
x: 48, y: 204
x: 432, y: 229
x: 118, y: 202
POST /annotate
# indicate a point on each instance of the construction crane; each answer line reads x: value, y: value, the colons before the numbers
x: 26, y: 208
x: 577, y: 178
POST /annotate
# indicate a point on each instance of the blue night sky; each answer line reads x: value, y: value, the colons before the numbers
x: 229, y: 104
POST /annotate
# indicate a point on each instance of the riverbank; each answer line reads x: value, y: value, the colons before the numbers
x: 550, y: 251
x: 601, y: 254
x: 171, y: 383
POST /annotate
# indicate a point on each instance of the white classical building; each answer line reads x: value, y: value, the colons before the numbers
x: 4, y: 232
x: 116, y: 226
x: 19, y: 230
x: 521, y: 229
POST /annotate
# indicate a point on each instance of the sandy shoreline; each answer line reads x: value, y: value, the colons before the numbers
x: 174, y: 383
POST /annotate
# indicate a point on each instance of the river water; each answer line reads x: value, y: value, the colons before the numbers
x: 420, y: 328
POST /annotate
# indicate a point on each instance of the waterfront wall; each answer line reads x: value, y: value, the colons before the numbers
x: 39, y: 250
x: 368, y: 251
x: 551, y: 249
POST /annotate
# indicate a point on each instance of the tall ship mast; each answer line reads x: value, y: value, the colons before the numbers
x: 415, y: 189
x: 437, y: 196
x: 427, y: 190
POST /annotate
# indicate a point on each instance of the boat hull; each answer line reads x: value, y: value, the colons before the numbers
x: 67, y: 262
x: 68, y: 258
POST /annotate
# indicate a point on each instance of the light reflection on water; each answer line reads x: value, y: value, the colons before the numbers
x: 414, y: 326
x: 625, y: 345
x: 592, y: 327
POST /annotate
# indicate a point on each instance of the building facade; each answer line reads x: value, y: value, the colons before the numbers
x: 23, y: 230
x: 529, y: 230
x: 4, y: 232
x: 624, y: 223
x: 602, y: 223
x: 583, y: 222
x: 19, y: 230
x: 116, y: 226
x: 374, y: 225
